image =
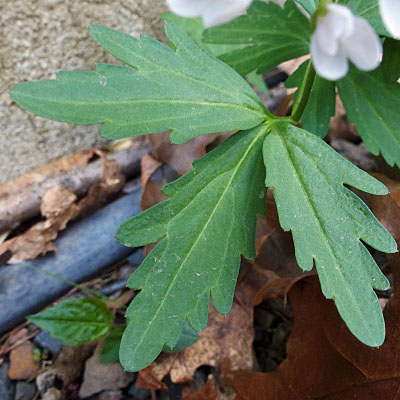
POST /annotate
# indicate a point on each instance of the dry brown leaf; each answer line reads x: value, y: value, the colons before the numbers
x: 324, y: 360
x: 227, y: 339
x: 102, y: 376
x: 18, y: 195
x: 20, y: 198
x: 151, y: 191
x: 209, y: 391
x: 55, y: 201
x: 180, y: 157
x: 275, y: 254
x: 387, y: 208
x: 340, y: 127
x: 22, y: 364
x: 290, y: 66
x: 59, y: 206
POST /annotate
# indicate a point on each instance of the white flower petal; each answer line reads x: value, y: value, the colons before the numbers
x: 189, y: 8
x: 363, y: 47
x: 337, y: 23
x: 390, y: 13
x: 222, y: 11
x: 328, y: 66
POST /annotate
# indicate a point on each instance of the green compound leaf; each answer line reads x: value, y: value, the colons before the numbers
x: 321, y: 104
x: 75, y: 321
x: 275, y: 34
x: 372, y: 103
x: 206, y: 224
x: 184, y: 89
x: 329, y: 223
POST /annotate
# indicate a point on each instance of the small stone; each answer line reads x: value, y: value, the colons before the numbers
x: 7, y: 387
x: 45, y: 341
x: 22, y: 364
x: 25, y: 390
x: 138, y: 393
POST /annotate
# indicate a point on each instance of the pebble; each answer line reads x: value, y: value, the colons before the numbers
x: 137, y: 393
x: 25, y: 390
x: 23, y: 365
x: 7, y: 387
x: 45, y: 341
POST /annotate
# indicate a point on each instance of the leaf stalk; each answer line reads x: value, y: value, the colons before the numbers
x: 304, y: 93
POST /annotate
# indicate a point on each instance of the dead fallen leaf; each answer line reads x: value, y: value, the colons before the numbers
x: 209, y: 391
x: 103, y: 376
x: 180, y: 157
x: 18, y: 195
x: 275, y: 254
x: 22, y: 364
x: 387, y: 208
x: 324, y: 360
x: 340, y: 127
x: 20, y: 198
x: 290, y: 66
x: 59, y: 206
x: 151, y: 190
x: 55, y: 201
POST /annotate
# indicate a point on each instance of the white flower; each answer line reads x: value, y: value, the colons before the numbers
x: 213, y: 12
x: 341, y: 36
x: 390, y: 13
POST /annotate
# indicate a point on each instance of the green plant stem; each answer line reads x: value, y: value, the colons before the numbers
x: 76, y: 285
x: 304, y: 93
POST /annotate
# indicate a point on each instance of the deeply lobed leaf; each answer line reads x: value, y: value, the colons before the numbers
x: 274, y: 34
x: 75, y: 321
x: 206, y: 224
x: 184, y: 89
x: 329, y: 223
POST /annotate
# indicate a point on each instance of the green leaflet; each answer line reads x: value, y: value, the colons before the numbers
x: 321, y: 104
x: 372, y: 103
x: 110, y: 350
x: 368, y: 9
x: 309, y: 5
x: 206, y: 224
x: 75, y: 321
x: 276, y: 34
x: 184, y: 89
x: 188, y: 337
x: 328, y: 222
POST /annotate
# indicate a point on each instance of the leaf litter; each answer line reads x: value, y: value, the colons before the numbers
x: 59, y: 206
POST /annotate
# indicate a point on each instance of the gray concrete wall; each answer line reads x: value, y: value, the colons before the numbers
x: 39, y: 38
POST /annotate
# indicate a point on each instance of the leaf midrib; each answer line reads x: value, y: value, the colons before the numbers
x: 176, y: 273
x: 144, y: 101
x: 68, y: 321
x: 321, y: 227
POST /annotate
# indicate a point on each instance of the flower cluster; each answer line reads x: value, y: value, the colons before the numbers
x: 339, y: 35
